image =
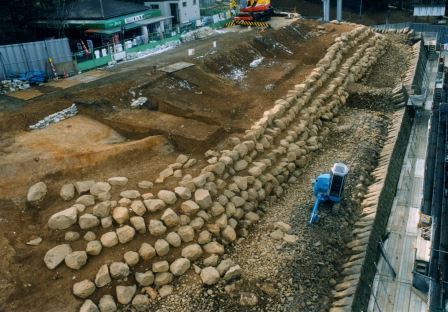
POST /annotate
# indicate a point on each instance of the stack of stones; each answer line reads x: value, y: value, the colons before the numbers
x: 205, y: 213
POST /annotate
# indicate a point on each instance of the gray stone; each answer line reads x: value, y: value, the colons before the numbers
x: 240, y: 165
x: 229, y: 234
x: 214, y: 248
x: 197, y: 223
x: 192, y: 252
x: 154, y: 205
x: 186, y: 233
x: 141, y: 302
x: 138, y: 207
x: 180, y: 266
x: 182, y: 158
x: 232, y: 273
x: 76, y: 260
x: 165, y: 291
x: 183, y: 192
x: 189, y: 207
x: 156, y: 228
x: 163, y: 278
x: 89, y: 306
x: 290, y: 239
x: 162, y: 247
x: 90, y: 236
x: 56, y: 255
x: 202, y: 198
x: 102, y: 277
x: 83, y: 186
x: 204, y: 237
x: 100, y: 187
x: 145, y: 184
x: 160, y: 266
x: 119, y: 181
x: 212, y: 260
x: 83, y: 289
x: 146, y: 251
x: 86, y: 200
x: 139, y: 224
x: 102, y: 209
x: 130, y: 194
x: 124, y: 202
x: 224, y: 266
x: 168, y: 197
x: 67, y: 192
x: 125, y: 293
x: 209, y: 276
x: 119, y: 270
x: 107, y: 304
x: 144, y: 279
x: 79, y: 207
x: 106, y: 222
x: 71, y: 236
x: 35, y: 242
x: 94, y: 248
x: 120, y: 215
x: 125, y: 234
x: 131, y: 258
x: 36, y: 193
x: 109, y: 239
x: 88, y: 221
x: 248, y: 299
x: 277, y: 234
x: 170, y: 218
x: 63, y: 219
x: 173, y: 239
x: 284, y: 227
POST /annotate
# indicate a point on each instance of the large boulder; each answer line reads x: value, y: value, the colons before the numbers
x: 146, y: 251
x: 56, y: 255
x: 170, y: 218
x: 120, y: 215
x: 156, y: 228
x: 63, y: 219
x: 86, y: 200
x: 144, y: 279
x: 162, y: 247
x: 83, y: 186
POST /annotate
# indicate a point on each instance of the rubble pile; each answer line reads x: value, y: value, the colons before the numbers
x: 56, y: 117
x: 7, y: 86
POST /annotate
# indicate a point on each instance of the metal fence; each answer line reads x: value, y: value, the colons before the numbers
x: 25, y: 60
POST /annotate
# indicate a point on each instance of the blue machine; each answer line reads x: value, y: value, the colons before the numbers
x: 328, y: 187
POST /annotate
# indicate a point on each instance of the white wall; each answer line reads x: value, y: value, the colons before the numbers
x: 188, y: 13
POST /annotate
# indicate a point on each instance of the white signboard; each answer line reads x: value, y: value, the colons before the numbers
x: 133, y: 19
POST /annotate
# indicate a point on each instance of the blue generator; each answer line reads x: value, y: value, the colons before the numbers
x: 328, y: 187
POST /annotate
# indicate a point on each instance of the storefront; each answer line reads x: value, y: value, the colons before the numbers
x: 92, y: 24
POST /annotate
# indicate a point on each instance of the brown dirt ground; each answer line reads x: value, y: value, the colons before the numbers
x: 211, y: 102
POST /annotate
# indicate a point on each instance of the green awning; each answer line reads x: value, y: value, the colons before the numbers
x: 137, y: 24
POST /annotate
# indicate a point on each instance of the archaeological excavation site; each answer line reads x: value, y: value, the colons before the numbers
x: 295, y: 168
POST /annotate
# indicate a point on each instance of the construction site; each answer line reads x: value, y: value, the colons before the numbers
x: 295, y: 167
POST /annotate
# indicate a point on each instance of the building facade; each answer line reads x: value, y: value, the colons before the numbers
x: 180, y: 11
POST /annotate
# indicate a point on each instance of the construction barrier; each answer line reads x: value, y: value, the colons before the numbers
x: 248, y: 23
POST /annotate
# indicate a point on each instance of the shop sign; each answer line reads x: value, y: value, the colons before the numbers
x: 134, y: 19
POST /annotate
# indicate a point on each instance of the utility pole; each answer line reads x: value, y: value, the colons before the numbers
x: 339, y: 11
x: 360, y: 7
x: 326, y: 8
x: 102, y: 9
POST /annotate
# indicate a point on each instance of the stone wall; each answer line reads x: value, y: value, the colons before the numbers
x: 206, y: 212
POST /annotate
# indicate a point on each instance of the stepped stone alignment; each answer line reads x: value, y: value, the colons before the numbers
x: 201, y: 215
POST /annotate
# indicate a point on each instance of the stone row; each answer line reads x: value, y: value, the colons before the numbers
x: 344, y: 291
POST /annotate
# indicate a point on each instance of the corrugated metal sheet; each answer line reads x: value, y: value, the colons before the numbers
x: 430, y: 10
x: 23, y: 58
